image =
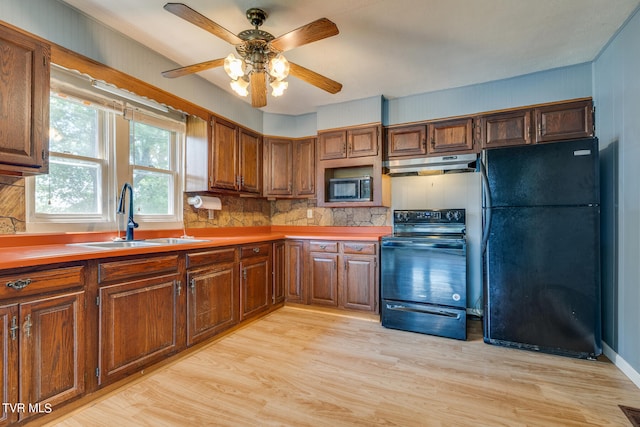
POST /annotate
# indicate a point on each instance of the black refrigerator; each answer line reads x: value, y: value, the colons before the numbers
x: 542, y: 250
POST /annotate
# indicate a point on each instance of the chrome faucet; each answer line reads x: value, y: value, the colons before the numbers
x: 131, y: 224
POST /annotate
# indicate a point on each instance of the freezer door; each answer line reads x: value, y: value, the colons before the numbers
x: 542, y: 280
x: 563, y: 173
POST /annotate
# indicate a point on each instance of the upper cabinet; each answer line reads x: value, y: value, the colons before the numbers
x: 24, y: 111
x: 451, y: 136
x: 289, y: 167
x: 407, y: 141
x: 564, y: 121
x: 235, y: 158
x: 506, y: 129
x: 348, y: 143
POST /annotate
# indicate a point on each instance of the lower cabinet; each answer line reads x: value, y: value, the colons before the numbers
x: 212, y: 294
x: 255, y: 279
x: 344, y: 275
x: 43, y: 347
x: 279, y: 267
x: 137, y: 302
x: 295, y: 270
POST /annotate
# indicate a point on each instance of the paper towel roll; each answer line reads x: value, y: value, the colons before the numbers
x: 205, y: 202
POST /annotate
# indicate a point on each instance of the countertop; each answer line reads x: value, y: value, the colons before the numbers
x: 28, y: 250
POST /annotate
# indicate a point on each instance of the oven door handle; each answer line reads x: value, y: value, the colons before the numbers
x: 399, y: 307
x: 413, y: 244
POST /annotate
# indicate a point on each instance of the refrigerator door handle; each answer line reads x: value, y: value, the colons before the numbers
x: 486, y: 199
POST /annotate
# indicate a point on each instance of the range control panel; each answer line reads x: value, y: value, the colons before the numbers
x: 429, y: 216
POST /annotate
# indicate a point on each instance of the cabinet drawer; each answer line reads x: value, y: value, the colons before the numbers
x: 16, y: 285
x: 117, y: 270
x: 259, y: 249
x: 323, y: 246
x: 211, y: 257
x: 359, y: 248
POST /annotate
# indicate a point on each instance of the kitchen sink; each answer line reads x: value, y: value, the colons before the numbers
x: 123, y: 244
x: 173, y: 240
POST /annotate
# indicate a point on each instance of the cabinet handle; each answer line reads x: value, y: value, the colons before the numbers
x: 424, y: 143
x: 192, y: 285
x: 178, y: 284
x: 242, y: 181
x: 256, y: 250
x: 323, y: 247
x: 244, y: 274
x: 27, y: 326
x: 19, y: 284
x: 433, y: 143
x: 14, y: 327
x: 358, y: 248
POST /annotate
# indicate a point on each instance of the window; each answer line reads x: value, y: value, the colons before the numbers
x: 95, y: 146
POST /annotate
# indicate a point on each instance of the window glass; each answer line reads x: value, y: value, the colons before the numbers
x: 71, y: 187
x: 152, y: 192
x: 73, y: 128
x: 150, y: 146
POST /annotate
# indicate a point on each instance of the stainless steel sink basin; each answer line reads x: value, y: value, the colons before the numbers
x: 173, y: 240
x: 118, y: 244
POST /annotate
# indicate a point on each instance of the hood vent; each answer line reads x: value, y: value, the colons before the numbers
x: 459, y: 162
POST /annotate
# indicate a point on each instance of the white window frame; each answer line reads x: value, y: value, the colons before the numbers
x: 116, y: 170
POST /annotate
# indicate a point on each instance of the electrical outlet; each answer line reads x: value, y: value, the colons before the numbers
x: 309, y: 213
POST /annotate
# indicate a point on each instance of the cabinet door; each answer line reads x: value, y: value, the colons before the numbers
x: 137, y: 325
x: 250, y: 162
x: 564, y: 121
x: 451, y: 136
x: 304, y: 167
x: 24, y: 114
x: 255, y: 286
x: 407, y: 141
x: 506, y: 129
x: 363, y: 142
x: 278, y: 164
x: 10, y: 364
x: 296, y: 269
x: 332, y: 145
x: 359, y: 283
x: 212, y: 301
x: 224, y: 162
x: 278, y: 273
x: 52, y: 350
x: 324, y: 279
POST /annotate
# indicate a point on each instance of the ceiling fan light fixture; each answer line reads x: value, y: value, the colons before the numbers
x: 234, y: 67
x: 240, y: 86
x: 278, y: 87
x: 279, y: 67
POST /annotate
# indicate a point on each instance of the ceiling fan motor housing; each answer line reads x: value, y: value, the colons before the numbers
x: 256, y: 16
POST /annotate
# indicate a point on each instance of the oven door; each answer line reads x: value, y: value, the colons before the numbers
x: 424, y: 270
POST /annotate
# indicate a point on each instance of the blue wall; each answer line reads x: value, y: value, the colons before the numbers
x: 617, y: 98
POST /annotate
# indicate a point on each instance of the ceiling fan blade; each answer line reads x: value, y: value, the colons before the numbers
x: 312, y: 32
x: 190, y: 69
x: 185, y: 12
x: 314, y: 78
x: 258, y: 83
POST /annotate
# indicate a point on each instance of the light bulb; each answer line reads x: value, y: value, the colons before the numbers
x: 278, y: 87
x: 240, y: 87
x: 233, y: 66
x: 279, y: 67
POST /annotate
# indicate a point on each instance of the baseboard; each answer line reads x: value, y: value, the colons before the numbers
x: 621, y: 364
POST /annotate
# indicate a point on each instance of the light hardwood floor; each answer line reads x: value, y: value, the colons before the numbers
x: 306, y: 367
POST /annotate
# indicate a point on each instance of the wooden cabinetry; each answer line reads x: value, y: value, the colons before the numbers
x: 24, y: 112
x: 506, y: 129
x: 289, y: 167
x: 42, y: 340
x: 279, y: 268
x: 296, y: 270
x: 348, y: 143
x: 213, y: 295
x: 255, y: 279
x: 138, y: 313
x: 236, y: 155
x: 451, y: 136
x: 564, y: 121
x: 408, y: 141
x: 344, y: 275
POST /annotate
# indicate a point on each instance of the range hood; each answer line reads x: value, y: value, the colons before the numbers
x: 414, y: 166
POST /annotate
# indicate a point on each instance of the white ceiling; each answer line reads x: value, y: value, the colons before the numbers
x: 393, y: 48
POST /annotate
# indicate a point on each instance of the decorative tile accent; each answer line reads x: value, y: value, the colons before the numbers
x: 12, y: 205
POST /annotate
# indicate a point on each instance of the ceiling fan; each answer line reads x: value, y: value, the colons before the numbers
x: 260, y: 52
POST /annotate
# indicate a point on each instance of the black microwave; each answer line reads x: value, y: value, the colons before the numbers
x: 350, y: 189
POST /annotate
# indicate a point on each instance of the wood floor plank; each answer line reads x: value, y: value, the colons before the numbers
x: 305, y: 367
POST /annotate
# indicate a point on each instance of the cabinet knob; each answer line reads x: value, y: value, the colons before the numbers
x: 256, y: 250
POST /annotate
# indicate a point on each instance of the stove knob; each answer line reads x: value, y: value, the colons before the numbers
x: 449, y: 215
x: 457, y: 215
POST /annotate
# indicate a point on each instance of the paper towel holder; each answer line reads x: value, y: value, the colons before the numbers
x: 205, y: 202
